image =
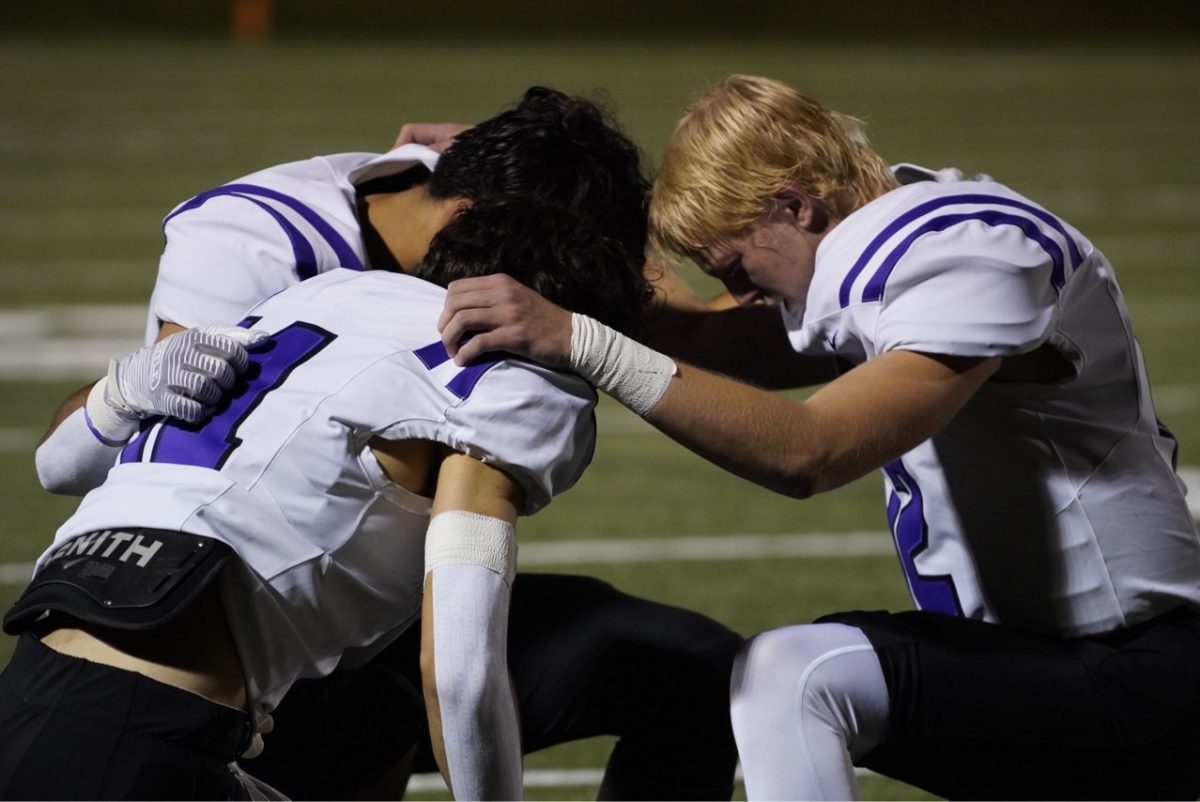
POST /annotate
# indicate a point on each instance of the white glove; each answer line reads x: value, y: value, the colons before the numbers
x: 181, y: 376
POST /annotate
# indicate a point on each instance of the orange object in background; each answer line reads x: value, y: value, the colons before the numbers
x: 250, y: 20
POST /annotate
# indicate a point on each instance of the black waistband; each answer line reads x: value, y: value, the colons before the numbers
x: 128, y: 578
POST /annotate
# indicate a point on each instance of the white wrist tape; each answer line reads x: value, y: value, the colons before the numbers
x: 111, y: 426
x: 630, y: 372
x: 467, y: 538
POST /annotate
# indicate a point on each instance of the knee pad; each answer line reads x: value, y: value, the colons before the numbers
x: 823, y: 675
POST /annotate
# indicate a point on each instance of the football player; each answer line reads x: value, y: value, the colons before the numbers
x: 351, y: 464
x: 233, y: 246
x: 979, y: 353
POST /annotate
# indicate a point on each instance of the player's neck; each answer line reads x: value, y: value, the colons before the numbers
x: 403, y: 224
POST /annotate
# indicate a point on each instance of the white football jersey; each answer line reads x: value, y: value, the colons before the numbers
x: 232, y: 246
x: 1053, y: 507
x: 283, y: 473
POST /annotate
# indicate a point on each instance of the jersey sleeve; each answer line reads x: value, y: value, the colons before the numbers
x: 220, y: 259
x: 971, y: 290
x: 536, y: 425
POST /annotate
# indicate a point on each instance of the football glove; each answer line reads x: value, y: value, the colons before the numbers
x: 181, y: 376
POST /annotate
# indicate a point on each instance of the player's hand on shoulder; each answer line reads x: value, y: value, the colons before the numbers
x: 435, y: 136
x: 180, y: 376
x: 498, y: 313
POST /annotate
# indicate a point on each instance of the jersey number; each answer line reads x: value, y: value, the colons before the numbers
x: 209, y: 443
x: 906, y: 518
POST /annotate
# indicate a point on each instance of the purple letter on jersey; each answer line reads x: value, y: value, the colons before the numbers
x: 906, y: 517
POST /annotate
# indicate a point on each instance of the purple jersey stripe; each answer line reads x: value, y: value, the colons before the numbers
x: 925, y: 208
x: 302, y: 249
x: 874, y: 289
x: 345, y: 254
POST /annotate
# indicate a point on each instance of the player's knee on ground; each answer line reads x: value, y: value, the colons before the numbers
x: 809, y: 680
x: 655, y: 676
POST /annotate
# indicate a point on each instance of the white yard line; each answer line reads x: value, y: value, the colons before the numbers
x: 703, y: 548
x: 691, y: 548
x: 544, y: 778
x: 655, y: 549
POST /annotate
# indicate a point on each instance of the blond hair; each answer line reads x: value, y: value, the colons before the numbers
x: 743, y: 141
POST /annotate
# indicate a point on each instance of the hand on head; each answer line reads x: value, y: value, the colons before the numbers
x: 436, y: 136
x: 499, y: 313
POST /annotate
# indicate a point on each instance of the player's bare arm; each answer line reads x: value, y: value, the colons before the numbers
x: 862, y: 420
x: 856, y: 423
x: 498, y: 313
x: 711, y: 333
x: 470, y: 561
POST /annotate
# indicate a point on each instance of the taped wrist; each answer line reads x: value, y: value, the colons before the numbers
x: 630, y: 372
x: 467, y: 538
x: 110, y: 423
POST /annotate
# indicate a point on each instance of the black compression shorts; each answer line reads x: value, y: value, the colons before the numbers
x: 74, y: 729
x: 981, y: 711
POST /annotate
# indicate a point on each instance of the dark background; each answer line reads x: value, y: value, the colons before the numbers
x: 1035, y: 21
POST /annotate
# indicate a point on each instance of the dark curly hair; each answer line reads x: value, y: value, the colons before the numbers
x: 549, y: 248
x: 561, y: 149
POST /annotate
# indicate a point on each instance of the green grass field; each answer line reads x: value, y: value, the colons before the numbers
x: 99, y: 138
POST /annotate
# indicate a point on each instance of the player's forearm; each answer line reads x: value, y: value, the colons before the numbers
x: 76, y: 453
x: 472, y: 713
x: 71, y: 460
x: 749, y: 432
x: 73, y: 402
x: 718, y: 341
x: 470, y: 560
x: 866, y: 418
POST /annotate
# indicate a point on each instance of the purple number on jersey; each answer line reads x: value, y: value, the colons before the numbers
x: 465, y: 380
x: 209, y: 443
x: 906, y: 517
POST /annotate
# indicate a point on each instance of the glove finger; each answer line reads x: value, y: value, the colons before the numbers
x: 225, y: 349
x: 214, y: 369
x: 185, y: 409
x: 196, y: 386
x: 207, y: 392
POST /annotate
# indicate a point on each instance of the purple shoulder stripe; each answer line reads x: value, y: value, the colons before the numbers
x: 306, y: 266
x: 908, y: 217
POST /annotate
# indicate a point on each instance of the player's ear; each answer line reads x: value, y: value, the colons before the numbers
x: 450, y: 209
x: 801, y: 209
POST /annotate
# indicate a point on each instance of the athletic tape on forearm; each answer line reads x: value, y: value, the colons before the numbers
x: 630, y: 372
x: 458, y: 537
x: 109, y: 425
